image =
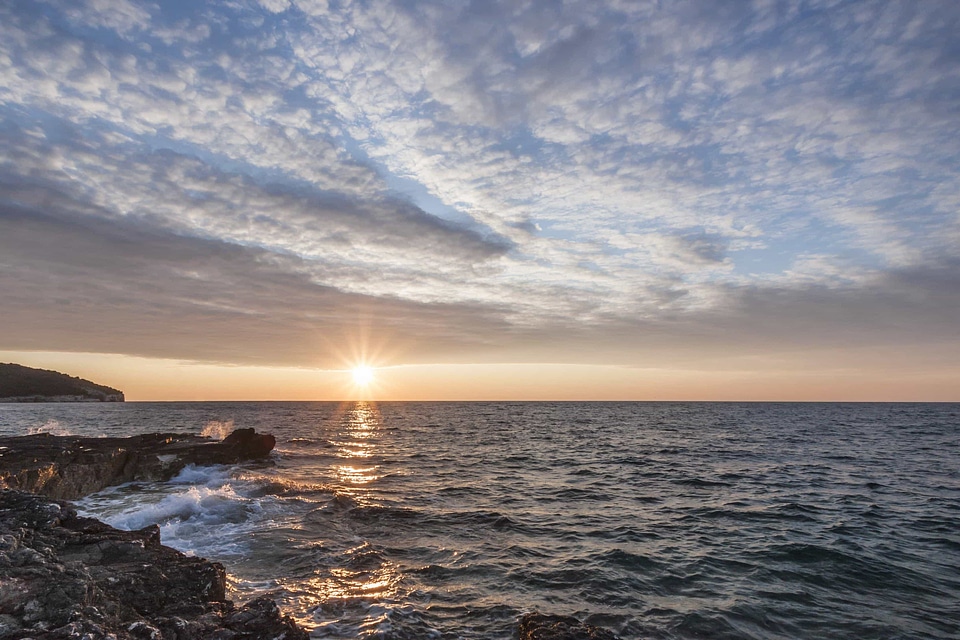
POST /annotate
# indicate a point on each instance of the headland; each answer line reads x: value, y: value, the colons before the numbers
x: 25, y: 384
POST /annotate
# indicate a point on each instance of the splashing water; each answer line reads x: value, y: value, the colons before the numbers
x: 53, y: 427
x: 218, y: 429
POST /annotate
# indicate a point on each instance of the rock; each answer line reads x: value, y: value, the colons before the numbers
x: 258, y: 619
x: 85, y: 579
x: 67, y: 467
x: 8, y: 626
x: 538, y: 626
x: 249, y: 444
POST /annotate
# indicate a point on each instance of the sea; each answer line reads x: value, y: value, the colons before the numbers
x: 654, y: 520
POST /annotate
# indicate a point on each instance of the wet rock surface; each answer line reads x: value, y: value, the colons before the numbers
x: 539, y: 626
x: 65, y: 576
x: 68, y: 467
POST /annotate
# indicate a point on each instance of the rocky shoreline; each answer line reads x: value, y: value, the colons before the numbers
x: 66, y: 576
x: 70, y: 467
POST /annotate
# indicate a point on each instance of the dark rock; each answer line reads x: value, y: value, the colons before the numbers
x: 249, y: 444
x: 538, y: 626
x: 66, y: 467
x: 64, y: 576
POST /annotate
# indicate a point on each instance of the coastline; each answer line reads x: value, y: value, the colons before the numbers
x: 69, y: 467
x: 67, y: 576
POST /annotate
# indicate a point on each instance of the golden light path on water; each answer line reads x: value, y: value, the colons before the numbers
x: 361, y: 424
x: 362, y: 573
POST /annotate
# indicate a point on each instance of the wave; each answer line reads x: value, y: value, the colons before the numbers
x: 627, y: 560
x: 197, y: 519
x: 576, y: 493
x: 381, y: 513
x: 206, y: 511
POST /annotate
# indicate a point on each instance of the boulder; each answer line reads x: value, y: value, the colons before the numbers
x: 249, y: 444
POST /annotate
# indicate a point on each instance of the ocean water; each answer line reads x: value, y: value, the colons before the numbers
x: 656, y: 520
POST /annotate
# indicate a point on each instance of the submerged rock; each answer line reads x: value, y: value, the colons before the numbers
x: 65, y: 576
x: 539, y: 626
x: 68, y: 467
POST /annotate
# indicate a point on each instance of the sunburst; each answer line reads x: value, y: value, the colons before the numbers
x: 362, y: 375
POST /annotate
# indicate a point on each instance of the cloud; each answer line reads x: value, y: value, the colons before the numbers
x: 595, y: 179
x: 124, y: 286
x: 98, y: 283
x: 365, y: 245
x: 275, y: 6
x: 122, y: 16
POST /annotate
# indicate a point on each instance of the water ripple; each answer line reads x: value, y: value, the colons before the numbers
x: 657, y: 520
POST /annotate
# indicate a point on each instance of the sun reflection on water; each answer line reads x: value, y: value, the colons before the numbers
x: 356, y: 444
x: 356, y: 475
x: 362, y: 578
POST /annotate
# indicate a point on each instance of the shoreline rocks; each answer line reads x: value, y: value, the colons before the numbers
x: 69, y: 467
x: 65, y: 576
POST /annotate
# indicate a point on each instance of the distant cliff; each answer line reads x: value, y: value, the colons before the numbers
x: 23, y: 384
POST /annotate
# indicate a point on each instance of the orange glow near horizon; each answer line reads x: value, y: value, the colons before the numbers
x: 148, y: 379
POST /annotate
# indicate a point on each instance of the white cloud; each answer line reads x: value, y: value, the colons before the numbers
x: 275, y: 6
x: 583, y: 162
x: 122, y: 16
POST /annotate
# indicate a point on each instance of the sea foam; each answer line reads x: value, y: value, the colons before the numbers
x: 202, y: 511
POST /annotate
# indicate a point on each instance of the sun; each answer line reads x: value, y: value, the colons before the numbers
x: 362, y: 375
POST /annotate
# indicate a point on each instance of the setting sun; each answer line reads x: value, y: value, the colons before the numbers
x: 362, y: 375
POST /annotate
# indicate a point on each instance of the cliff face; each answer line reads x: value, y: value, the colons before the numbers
x: 23, y: 384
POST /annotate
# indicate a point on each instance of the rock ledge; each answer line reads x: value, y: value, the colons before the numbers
x: 69, y: 467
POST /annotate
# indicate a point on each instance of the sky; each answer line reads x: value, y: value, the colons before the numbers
x: 597, y: 199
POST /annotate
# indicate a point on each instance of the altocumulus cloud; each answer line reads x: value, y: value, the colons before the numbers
x: 579, y: 182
